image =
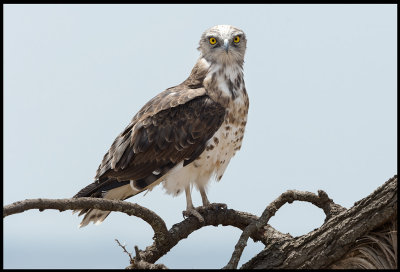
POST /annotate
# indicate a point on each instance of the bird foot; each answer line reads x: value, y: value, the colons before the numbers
x: 194, y: 212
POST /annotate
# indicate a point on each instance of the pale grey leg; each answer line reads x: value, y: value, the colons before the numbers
x: 189, y: 203
x: 190, y: 210
x: 204, y: 196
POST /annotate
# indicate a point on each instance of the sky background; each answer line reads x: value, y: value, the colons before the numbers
x: 323, y: 102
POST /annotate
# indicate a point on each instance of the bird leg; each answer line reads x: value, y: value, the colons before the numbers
x: 204, y: 196
x: 206, y: 202
x: 190, y: 210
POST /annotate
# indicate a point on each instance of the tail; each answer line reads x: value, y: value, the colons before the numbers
x: 108, y: 189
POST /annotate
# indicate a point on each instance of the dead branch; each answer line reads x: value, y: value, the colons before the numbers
x: 155, y: 221
x: 163, y: 241
x: 321, y: 200
x: 145, y: 265
x: 139, y: 263
x: 317, y: 249
x: 329, y: 243
x: 125, y: 251
x: 225, y: 217
x: 376, y: 250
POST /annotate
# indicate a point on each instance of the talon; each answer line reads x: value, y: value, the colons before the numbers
x: 195, y: 213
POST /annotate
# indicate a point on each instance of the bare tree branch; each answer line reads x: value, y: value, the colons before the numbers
x: 126, y: 251
x: 225, y: 217
x: 145, y: 265
x: 164, y: 240
x: 155, y: 221
x: 321, y: 200
x: 376, y: 250
x: 317, y: 249
x: 329, y: 243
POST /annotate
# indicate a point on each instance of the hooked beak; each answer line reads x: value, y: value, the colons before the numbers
x: 226, y: 45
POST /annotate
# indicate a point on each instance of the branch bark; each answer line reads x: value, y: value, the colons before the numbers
x: 330, y: 242
x: 155, y: 221
x: 321, y: 200
x: 164, y: 240
x: 225, y: 217
x: 317, y: 249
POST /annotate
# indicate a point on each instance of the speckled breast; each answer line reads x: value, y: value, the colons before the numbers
x: 227, y: 140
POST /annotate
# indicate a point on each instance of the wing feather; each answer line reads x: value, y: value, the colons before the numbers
x: 164, y: 137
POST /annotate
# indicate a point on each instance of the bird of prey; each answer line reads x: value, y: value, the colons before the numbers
x: 185, y: 135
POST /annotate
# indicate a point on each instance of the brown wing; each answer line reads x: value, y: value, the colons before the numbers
x: 159, y: 136
x: 153, y: 143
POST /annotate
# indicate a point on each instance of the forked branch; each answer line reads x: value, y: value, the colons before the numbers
x: 329, y: 243
x: 317, y: 249
x: 321, y: 200
x: 164, y: 240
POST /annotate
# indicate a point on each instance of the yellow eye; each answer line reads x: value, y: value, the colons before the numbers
x: 213, y: 40
x: 236, y: 39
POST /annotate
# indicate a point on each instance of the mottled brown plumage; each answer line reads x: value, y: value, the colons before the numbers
x: 166, y: 140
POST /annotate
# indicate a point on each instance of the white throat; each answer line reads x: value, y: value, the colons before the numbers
x: 224, y: 82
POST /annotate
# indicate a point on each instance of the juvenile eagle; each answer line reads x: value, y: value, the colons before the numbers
x: 184, y: 135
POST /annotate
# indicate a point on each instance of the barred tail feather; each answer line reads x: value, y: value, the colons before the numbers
x: 95, y: 216
x: 111, y: 189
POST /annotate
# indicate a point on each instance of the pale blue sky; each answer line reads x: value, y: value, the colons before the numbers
x: 323, y: 101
